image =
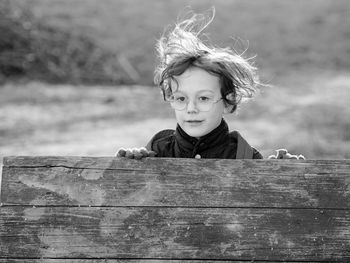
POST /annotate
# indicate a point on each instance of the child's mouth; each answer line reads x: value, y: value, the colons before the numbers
x: 194, y: 122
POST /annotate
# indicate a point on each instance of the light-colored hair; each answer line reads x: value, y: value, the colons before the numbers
x: 182, y: 47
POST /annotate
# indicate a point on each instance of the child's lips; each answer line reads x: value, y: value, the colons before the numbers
x: 194, y: 122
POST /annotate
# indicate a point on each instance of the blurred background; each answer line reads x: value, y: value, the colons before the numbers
x: 76, y: 76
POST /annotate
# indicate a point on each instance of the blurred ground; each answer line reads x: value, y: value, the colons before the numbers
x: 303, y: 52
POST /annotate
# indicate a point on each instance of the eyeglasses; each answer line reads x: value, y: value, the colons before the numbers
x: 203, y: 103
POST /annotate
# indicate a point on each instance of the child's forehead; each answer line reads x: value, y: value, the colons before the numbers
x: 196, y: 79
x: 194, y: 91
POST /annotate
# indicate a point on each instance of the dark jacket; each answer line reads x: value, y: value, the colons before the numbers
x: 218, y: 144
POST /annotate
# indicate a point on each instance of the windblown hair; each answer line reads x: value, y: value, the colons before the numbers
x: 182, y: 47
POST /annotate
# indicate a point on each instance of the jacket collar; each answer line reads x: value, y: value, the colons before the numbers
x: 188, y: 146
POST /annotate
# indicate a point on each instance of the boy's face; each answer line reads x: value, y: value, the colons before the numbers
x: 195, y: 86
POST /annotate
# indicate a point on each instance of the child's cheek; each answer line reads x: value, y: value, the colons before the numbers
x: 180, y: 117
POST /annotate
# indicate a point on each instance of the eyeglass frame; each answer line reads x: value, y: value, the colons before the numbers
x: 186, y: 105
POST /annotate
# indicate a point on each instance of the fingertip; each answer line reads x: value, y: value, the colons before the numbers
x: 121, y: 152
x: 289, y: 156
x: 301, y: 157
x: 129, y: 154
x: 281, y: 153
x: 144, y: 151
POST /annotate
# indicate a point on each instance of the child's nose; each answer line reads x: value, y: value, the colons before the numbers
x: 191, y: 106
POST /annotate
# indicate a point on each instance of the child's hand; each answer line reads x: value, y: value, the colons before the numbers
x: 284, y: 154
x: 135, y: 153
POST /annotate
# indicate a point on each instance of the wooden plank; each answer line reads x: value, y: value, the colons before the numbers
x: 165, y: 163
x: 46, y: 260
x: 109, y: 181
x: 61, y: 260
x: 63, y: 161
x: 162, y: 210
x: 175, y: 233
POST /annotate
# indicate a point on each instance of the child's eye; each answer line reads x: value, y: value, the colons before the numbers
x: 180, y: 99
x: 204, y: 99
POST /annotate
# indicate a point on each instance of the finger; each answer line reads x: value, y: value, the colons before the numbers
x: 137, y: 154
x: 129, y: 154
x: 301, y: 157
x: 281, y: 153
x: 121, y: 152
x: 144, y: 151
x: 290, y: 156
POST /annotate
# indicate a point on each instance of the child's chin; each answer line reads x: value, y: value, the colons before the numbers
x: 195, y: 132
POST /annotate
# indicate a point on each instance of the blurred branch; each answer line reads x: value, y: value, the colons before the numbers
x: 128, y: 68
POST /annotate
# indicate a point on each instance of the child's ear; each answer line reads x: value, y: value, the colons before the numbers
x: 229, y: 107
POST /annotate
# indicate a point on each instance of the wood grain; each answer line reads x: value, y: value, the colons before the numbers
x: 179, y: 233
x: 184, y: 182
x: 102, y: 209
x: 103, y: 260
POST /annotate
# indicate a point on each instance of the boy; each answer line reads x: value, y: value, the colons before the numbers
x: 201, y: 83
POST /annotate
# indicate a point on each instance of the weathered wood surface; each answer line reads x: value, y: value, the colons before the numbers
x: 185, y: 182
x: 47, y: 260
x: 75, y: 209
x: 198, y: 233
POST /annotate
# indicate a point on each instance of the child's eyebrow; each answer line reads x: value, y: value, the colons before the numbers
x: 199, y: 91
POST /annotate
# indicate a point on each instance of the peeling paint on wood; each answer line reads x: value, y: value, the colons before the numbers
x: 90, y: 209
